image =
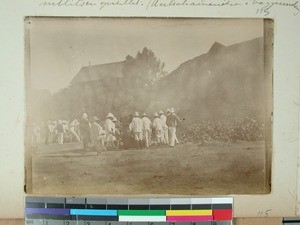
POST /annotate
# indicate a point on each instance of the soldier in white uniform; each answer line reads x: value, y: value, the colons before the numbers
x: 136, y: 126
x: 109, y: 127
x: 158, y: 128
x: 165, y: 131
x: 147, y: 125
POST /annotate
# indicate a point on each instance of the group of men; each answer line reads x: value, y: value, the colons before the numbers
x: 162, y: 126
x: 141, y: 127
x: 60, y: 131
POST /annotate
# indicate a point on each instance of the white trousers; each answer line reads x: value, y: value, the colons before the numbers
x: 172, y: 135
x: 60, y: 138
x: 147, y: 138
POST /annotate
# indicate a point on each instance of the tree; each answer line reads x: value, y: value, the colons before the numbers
x: 145, y: 69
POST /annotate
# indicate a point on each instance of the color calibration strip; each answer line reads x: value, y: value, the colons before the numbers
x: 174, y: 210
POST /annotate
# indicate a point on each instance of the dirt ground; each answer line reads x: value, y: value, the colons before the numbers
x: 187, y: 169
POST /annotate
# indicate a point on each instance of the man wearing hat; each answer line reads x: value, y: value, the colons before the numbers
x: 136, y: 126
x: 172, y: 121
x: 165, y: 131
x: 60, y: 132
x: 117, y: 133
x: 158, y: 128
x: 85, y: 131
x: 97, y: 135
x: 147, y: 130
x: 109, y: 127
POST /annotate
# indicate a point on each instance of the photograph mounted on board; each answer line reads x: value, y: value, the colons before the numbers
x: 148, y: 106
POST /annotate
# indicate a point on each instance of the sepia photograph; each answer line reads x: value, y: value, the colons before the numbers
x: 148, y: 106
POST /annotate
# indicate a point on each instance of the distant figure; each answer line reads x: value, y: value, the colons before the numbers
x: 147, y: 125
x: 60, y: 132
x: 136, y: 126
x: 165, y: 131
x: 97, y: 135
x: 158, y: 128
x: 172, y: 121
x: 117, y: 133
x: 109, y: 127
x: 48, y: 132
x: 85, y: 131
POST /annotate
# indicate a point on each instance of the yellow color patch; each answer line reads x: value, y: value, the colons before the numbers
x: 203, y: 212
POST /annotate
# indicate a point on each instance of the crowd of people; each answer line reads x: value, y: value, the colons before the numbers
x: 143, y: 131
x: 137, y: 131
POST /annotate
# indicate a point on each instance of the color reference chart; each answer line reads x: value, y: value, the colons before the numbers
x: 121, y: 211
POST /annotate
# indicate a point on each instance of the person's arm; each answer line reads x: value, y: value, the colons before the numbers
x: 177, y: 118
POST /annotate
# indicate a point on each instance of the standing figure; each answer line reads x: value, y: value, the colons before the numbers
x: 109, y: 127
x: 48, y: 132
x: 117, y: 133
x: 136, y: 126
x: 147, y: 125
x: 158, y: 128
x: 165, y: 132
x: 172, y: 121
x: 97, y: 135
x: 60, y: 132
x: 85, y: 131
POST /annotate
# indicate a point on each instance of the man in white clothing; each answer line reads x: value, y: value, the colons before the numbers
x: 158, y: 127
x: 147, y: 130
x: 165, y: 131
x: 172, y: 121
x: 109, y: 128
x: 136, y: 126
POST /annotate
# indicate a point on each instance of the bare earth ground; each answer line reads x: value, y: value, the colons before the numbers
x: 187, y: 169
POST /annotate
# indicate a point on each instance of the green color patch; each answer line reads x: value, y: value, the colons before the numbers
x: 141, y: 212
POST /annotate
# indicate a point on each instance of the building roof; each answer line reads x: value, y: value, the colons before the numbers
x: 99, y: 72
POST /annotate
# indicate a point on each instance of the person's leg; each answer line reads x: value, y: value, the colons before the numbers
x: 84, y: 143
x: 59, y: 136
x: 172, y: 133
x: 167, y: 135
x: 149, y: 140
x: 146, y: 138
x: 158, y: 137
x: 176, y: 140
x: 136, y: 138
x: 140, y: 134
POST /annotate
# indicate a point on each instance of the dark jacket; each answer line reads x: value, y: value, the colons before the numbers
x: 172, y: 120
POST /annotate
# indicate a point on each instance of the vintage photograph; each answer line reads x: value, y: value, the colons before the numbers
x: 148, y: 106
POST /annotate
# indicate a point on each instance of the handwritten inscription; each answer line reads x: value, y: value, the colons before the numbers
x: 263, y: 7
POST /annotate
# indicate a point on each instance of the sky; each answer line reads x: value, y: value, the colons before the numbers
x: 59, y: 47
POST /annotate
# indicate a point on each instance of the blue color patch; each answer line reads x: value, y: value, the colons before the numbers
x: 93, y: 212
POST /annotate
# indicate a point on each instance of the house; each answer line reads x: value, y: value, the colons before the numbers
x: 101, y: 74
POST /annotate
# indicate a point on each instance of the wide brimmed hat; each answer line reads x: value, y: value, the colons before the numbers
x: 161, y: 112
x: 110, y: 115
x: 168, y: 110
x: 136, y: 114
x: 155, y: 114
x: 144, y: 114
x: 172, y: 110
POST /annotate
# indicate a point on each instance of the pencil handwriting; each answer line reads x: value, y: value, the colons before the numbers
x: 262, y: 7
